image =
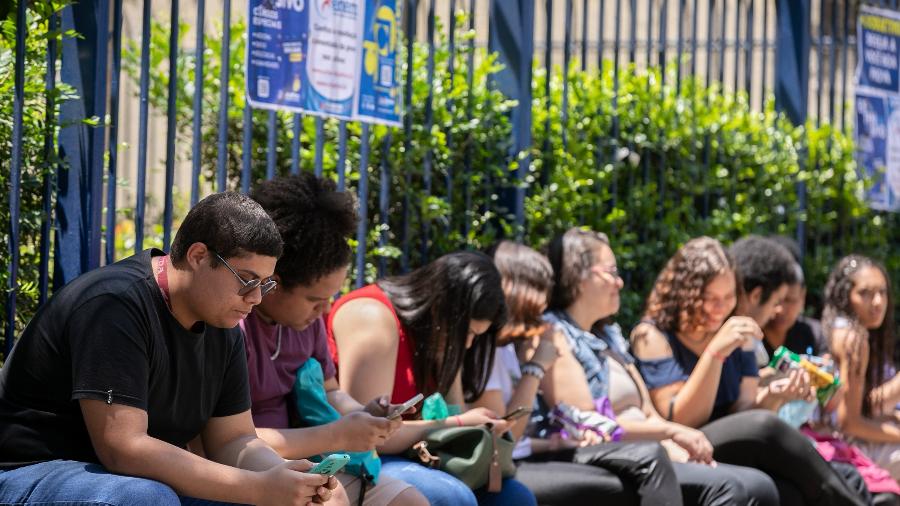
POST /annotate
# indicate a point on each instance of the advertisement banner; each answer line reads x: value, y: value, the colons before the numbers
x: 332, y: 58
x: 878, y: 104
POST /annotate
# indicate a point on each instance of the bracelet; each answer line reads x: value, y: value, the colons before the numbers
x: 718, y: 356
x: 458, y: 421
x: 533, y: 369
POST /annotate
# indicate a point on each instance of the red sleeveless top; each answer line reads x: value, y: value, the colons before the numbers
x: 404, y: 379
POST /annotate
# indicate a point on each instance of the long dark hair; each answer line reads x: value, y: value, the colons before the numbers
x: 881, y: 339
x: 527, y: 279
x: 436, y: 304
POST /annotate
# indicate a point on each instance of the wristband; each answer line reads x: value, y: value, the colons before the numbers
x: 533, y: 369
x: 718, y: 356
x: 458, y: 421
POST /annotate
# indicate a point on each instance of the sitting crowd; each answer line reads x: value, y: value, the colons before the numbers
x: 221, y: 373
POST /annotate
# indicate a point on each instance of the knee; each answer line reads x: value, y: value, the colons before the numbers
x: 766, y: 423
x: 410, y: 497
x: 650, y: 454
x: 515, y: 492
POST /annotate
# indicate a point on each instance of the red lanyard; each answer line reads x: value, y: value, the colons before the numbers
x: 162, y: 278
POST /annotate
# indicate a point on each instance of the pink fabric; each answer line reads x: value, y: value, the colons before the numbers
x: 830, y: 448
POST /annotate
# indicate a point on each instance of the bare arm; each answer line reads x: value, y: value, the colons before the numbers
x: 888, y: 393
x: 852, y: 354
x: 119, y: 436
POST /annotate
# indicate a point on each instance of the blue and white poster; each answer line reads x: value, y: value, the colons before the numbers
x: 333, y: 58
x: 878, y: 105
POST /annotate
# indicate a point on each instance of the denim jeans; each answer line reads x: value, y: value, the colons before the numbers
x: 442, y: 489
x: 71, y: 483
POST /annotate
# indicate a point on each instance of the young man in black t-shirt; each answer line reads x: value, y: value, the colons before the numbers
x: 128, y: 363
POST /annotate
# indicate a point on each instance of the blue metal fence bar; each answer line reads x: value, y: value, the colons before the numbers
x: 845, y: 49
x: 451, y: 68
x: 584, y: 34
x: 49, y: 154
x: 384, y: 199
x: 143, y: 117
x: 297, y: 121
x: 410, y: 32
x: 342, y: 156
x: 679, y: 48
x: 467, y: 161
x: 171, y: 116
x: 224, y: 76
x: 706, y: 136
x: 567, y: 58
x: 247, y: 148
x: 632, y: 39
x: 748, y: 53
x: 663, y: 33
x: 112, y: 169
x: 320, y: 145
x: 695, y: 33
x: 548, y: 73
x: 15, y: 175
x: 819, y: 44
x: 721, y: 42
x: 429, y: 122
x: 601, y: 43
x: 649, y: 4
x: 271, y: 144
x: 765, y: 51
x: 198, y: 103
x: 832, y: 61
x: 363, y: 195
x: 93, y: 170
x: 614, y: 134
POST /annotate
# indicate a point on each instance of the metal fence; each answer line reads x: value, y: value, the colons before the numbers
x: 796, y: 48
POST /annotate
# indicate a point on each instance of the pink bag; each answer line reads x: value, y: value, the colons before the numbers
x: 833, y: 449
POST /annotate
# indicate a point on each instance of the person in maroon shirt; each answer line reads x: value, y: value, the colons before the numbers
x: 286, y: 330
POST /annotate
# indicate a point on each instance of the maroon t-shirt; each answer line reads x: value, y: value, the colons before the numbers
x: 272, y: 381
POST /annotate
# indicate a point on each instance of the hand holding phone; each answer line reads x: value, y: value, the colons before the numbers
x: 331, y: 464
x: 515, y: 414
x: 406, y: 406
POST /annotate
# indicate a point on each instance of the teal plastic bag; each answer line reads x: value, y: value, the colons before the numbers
x: 314, y: 409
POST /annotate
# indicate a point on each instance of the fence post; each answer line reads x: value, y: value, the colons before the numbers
x: 512, y: 37
x: 792, y: 80
x: 80, y: 197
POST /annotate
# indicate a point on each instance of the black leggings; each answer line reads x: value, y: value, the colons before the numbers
x: 615, y: 474
x: 760, y: 440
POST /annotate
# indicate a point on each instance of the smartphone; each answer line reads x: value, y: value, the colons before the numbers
x: 516, y: 414
x: 403, y: 408
x: 331, y: 464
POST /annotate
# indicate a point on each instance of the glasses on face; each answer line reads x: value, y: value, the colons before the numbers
x: 248, y: 286
x: 612, y: 271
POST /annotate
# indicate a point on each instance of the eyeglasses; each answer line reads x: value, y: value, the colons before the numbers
x: 612, y: 271
x: 248, y: 286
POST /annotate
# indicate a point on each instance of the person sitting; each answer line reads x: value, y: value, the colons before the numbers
x: 126, y: 364
x: 560, y: 471
x: 700, y: 368
x: 432, y: 330
x: 287, y: 329
x: 790, y: 327
x: 859, y: 321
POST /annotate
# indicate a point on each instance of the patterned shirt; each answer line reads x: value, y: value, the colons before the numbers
x: 587, y: 348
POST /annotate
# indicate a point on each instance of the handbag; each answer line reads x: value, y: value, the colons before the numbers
x: 474, y: 455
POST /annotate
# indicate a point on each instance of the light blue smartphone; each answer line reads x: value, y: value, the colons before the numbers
x: 331, y: 464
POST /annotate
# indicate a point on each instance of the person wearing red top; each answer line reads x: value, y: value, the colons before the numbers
x: 431, y: 330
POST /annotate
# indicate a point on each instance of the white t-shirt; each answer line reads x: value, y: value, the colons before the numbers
x: 505, y: 374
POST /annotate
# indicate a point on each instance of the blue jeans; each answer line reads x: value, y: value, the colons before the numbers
x: 70, y: 483
x: 442, y: 489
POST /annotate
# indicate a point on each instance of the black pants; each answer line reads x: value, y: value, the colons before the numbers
x: 639, y: 473
x: 758, y: 439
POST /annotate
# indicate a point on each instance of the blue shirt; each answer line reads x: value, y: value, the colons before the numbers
x: 665, y: 371
x: 587, y: 348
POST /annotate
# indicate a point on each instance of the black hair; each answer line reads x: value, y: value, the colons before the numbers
x: 762, y: 262
x: 315, y: 221
x: 794, y: 249
x: 436, y: 304
x: 571, y: 255
x: 230, y: 224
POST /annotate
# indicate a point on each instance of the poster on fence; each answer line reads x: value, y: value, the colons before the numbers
x: 878, y: 105
x: 332, y: 58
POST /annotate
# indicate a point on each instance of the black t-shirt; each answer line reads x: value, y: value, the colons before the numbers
x: 109, y: 335
x: 804, y: 336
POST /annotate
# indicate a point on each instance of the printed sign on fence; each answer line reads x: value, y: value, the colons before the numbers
x: 878, y: 104
x: 333, y: 58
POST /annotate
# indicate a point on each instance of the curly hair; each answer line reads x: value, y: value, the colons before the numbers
x: 762, y: 263
x: 526, y: 279
x: 315, y: 221
x: 676, y: 302
x: 837, y: 305
x: 571, y: 255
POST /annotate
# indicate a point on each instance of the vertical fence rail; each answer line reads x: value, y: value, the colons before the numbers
x: 363, y: 195
x: 112, y: 172
x: 171, y: 117
x: 198, y: 103
x: 49, y: 154
x: 224, y: 76
x: 15, y: 175
x: 144, y: 116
